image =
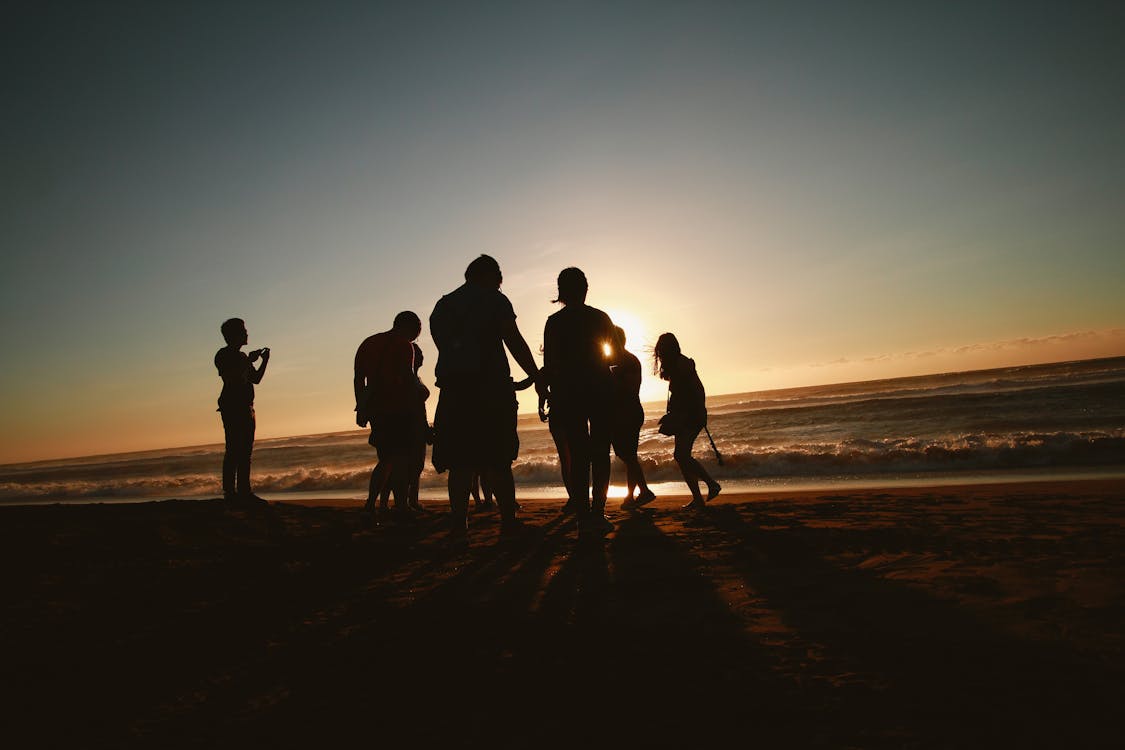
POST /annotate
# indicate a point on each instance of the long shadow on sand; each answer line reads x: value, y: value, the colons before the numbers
x: 545, y: 640
x: 929, y: 672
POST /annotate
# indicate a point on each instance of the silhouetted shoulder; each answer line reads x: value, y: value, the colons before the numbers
x: 231, y: 361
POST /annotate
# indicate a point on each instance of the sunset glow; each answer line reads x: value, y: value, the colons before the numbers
x: 773, y: 187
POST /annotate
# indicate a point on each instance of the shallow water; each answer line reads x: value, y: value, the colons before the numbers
x: 1057, y: 419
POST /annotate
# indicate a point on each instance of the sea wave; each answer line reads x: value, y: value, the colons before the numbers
x: 975, y: 452
x: 904, y: 455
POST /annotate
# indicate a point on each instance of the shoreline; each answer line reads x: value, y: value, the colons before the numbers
x: 665, y: 489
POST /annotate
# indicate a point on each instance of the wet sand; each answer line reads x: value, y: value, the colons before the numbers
x: 969, y: 616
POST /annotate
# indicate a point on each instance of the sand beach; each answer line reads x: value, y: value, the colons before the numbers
x: 968, y: 616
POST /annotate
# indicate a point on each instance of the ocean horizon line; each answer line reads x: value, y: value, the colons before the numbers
x: 649, y: 406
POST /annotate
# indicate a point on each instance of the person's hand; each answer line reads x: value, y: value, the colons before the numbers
x: 254, y: 355
x: 360, y: 420
x: 265, y: 354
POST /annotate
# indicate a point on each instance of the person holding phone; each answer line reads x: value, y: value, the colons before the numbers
x: 236, y: 404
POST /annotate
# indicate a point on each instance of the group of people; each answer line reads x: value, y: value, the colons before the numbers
x: 588, y: 392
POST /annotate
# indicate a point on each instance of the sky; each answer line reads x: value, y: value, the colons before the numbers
x: 804, y: 193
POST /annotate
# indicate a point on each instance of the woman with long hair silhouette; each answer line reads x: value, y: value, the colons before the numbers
x: 687, y: 414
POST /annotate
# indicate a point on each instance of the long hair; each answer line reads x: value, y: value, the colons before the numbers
x: 666, y: 351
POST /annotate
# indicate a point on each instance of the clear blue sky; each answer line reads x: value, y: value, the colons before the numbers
x: 803, y: 192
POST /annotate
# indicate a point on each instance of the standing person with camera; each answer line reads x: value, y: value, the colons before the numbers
x: 687, y: 414
x: 236, y: 404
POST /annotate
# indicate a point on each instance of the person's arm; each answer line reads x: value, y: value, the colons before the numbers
x: 521, y: 352
x: 257, y: 375
x: 405, y: 379
x: 359, y: 382
x: 633, y: 371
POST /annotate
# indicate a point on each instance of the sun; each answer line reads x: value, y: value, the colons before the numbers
x: 636, y: 335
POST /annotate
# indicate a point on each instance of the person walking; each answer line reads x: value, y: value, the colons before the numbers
x: 686, y: 415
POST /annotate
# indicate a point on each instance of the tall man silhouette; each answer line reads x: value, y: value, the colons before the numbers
x: 475, y: 421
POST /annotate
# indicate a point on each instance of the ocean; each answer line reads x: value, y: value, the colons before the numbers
x: 1054, y: 420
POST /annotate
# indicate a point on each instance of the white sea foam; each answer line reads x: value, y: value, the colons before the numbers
x: 1065, y: 416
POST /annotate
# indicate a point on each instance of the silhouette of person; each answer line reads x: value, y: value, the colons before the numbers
x: 236, y: 404
x: 628, y: 416
x: 387, y: 396
x: 475, y: 421
x: 578, y: 348
x: 418, y: 452
x: 686, y: 415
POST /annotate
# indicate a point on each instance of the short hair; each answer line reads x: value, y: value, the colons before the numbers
x: 230, y: 327
x: 406, y: 318
x: 484, y: 268
x: 572, y: 285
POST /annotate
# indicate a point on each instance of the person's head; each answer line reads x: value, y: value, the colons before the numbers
x: 484, y: 271
x: 619, y: 337
x: 418, y: 358
x: 234, y: 331
x: 407, y: 325
x: 572, y: 286
x: 667, y: 349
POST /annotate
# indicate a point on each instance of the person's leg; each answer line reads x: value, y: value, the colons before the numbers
x: 503, y: 485
x: 385, y: 491
x: 646, y: 495
x: 417, y: 465
x: 377, y: 485
x: 458, y: 489
x: 414, y: 478
x: 244, y: 449
x: 599, y: 457
x: 635, y: 444
x: 400, y: 484
x: 713, y: 487
x: 576, y: 434
x: 562, y: 447
x: 687, y: 464
x: 474, y: 489
x: 230, y: 456
x: 630, y: 477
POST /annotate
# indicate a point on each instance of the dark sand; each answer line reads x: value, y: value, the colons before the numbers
x: 982, y: 616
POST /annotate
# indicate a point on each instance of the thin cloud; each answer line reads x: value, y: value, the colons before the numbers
x: 1017, y: 344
